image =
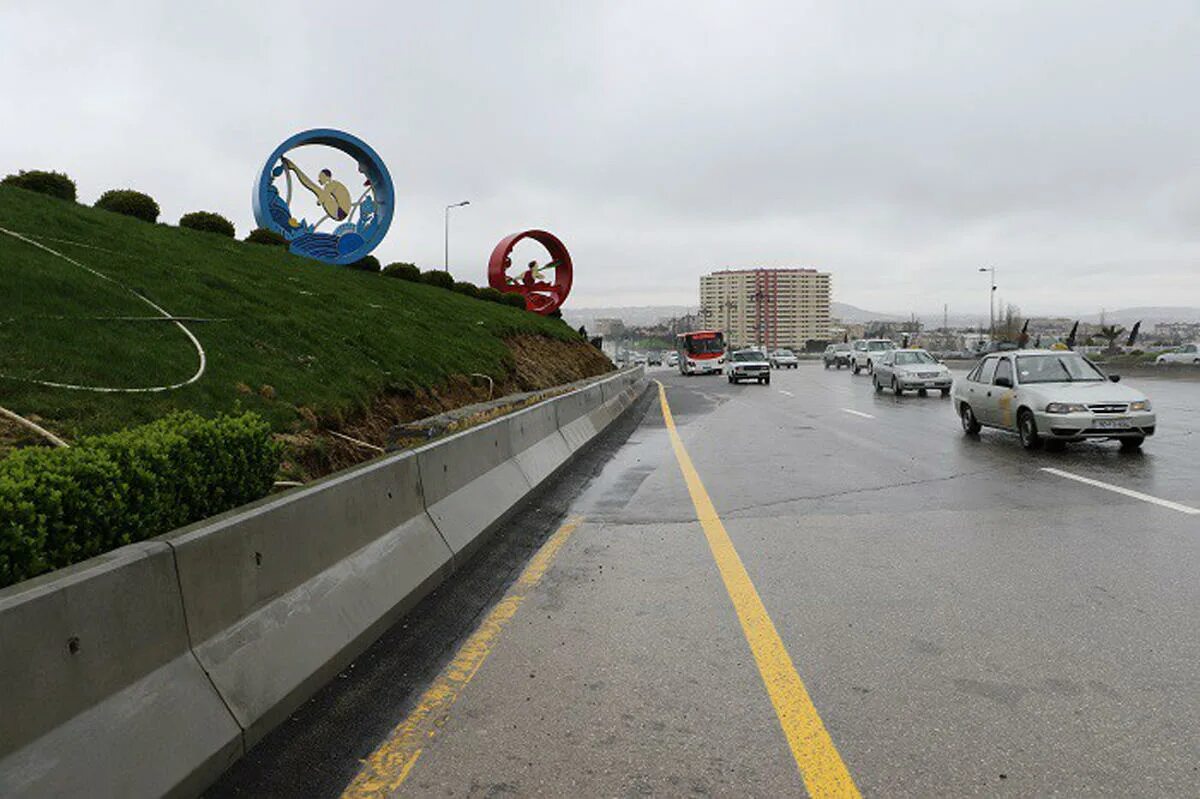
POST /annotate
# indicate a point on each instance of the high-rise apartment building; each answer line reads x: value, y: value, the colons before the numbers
x: 767, y: 307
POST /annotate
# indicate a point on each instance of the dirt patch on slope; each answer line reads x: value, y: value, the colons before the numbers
x: 539, y: 363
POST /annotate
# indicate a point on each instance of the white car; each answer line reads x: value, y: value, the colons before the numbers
x: 784, y: 359
x: 1188, y: 353
x: 1053, y: 397
x: 749, y: 365
x: 911, y: 370
x: 865, y: 351
x: 672, y: 359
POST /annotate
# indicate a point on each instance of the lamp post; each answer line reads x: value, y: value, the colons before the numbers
x: 991, y: 303
x: 446, y: 265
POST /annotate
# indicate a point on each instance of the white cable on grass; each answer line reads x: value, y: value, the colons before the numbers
x: 21, y: 420
x: 105, y: 389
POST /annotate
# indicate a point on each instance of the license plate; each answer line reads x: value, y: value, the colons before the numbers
x: 1111, y: 424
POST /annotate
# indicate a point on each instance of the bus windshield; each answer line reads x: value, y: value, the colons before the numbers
x: 703, y: 343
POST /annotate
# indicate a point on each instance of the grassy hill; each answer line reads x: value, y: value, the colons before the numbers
x: 291, y: 339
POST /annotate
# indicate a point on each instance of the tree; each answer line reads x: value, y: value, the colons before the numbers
x: 1111, y: 333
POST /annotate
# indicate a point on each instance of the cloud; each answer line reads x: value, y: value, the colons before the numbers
x: 897, y: 145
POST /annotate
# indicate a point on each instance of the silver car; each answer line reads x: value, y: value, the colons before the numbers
x: 911, y: 370
x: 1053, y: 397
x: 749, y: 365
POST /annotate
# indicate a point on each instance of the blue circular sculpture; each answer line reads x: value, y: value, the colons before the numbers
x: 348, y: 227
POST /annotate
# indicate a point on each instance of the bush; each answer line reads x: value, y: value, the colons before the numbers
x: 368, y: 263
x: 130, y: 203
x: 208, y: 222
x: 491, y: 295
x: 436, y: 277
x: 403, y: 271
x: 61, y: 506
x: 262, y: 235
x: 463, y: 287
x: 514, y: 299
x: 55, y: 184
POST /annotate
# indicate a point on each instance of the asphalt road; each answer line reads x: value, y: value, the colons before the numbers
x: 964, y: 622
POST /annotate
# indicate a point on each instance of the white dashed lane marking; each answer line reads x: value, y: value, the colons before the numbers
x: 1128, y: 492
x: 858, y: 413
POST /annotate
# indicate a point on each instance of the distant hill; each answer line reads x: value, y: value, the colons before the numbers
x: 630, y: 315
x: 852, y: 313
x: 1149, y: 315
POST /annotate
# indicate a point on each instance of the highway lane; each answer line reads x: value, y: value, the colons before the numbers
x: 964, y: 622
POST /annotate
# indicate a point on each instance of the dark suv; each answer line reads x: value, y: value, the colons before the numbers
x: 836, y: 355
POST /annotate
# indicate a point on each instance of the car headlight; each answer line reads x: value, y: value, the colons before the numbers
x: 1066, y: 407
x: 720, y: 360
x: 1140, y: 405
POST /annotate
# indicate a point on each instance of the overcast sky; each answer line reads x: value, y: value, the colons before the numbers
x: 898, y: 145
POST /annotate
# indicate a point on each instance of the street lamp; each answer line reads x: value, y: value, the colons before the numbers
x: 991, y: 302
x: 448, y: 207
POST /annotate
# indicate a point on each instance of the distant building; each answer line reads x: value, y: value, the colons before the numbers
x: 767, y: 307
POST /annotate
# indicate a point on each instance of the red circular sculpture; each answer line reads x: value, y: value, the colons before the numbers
x: 541, y: 295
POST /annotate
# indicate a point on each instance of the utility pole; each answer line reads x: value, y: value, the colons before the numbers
x: 446, y: 263
x: 945, y: 316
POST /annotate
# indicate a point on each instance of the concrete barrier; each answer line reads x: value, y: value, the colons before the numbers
x: 281, y: 595
x: 539, y: 449
x: 100, y: 695
x: 149, y: 670
x: 471, y: 482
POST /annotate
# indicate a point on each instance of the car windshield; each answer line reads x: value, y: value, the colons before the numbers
x: 784, y: 354
x: 749, y: 355
x: 876, y: 346
x: 841, y: 348
x: 1056, y: 369
x: 914, y: 358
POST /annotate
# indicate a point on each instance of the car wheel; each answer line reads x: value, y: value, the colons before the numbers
x: 922, y: 392
x: 854, y: 367
x: 870, y: 368
x: 899, y: 392
x: 767, y: 381
x: 827, y: 364
x: 1135, y: 443
x: 945, y: 393
x: 1027, y: 430
x: 877, y: 384
x: 970, y: 424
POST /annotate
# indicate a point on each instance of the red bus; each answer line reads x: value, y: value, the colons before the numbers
x: 701, y: 352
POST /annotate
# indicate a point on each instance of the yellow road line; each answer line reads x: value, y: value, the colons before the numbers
x: 824, y: 773
x: 385, y: 771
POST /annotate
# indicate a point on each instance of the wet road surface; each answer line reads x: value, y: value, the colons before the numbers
x: 964, y: 622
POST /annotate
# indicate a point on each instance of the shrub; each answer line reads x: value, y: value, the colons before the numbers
x: 130, y: 203
x: 463, y: 287
x: 514, y: 299
x: 436, y: 277
x: 61, y: 506
x: 491, y: 295
x: 403, y: 271
x: 262, y: 235
x: 55, y: 184
x: 368, y: 263
x: 208, y: 222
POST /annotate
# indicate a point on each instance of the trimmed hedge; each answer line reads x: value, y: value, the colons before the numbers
x: 61, y: 506
x: 208, y: 222
x: 368, y: 263
x: 436, y: 277
x: 262, y: 235
x: 491, y: 295
x: 130, y: 203
x: 403, y: 271
x: 514, y: 299
x: 463, y: 287
x: 55, y: 184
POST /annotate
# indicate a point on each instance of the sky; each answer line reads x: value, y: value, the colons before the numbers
x: 898, y: 145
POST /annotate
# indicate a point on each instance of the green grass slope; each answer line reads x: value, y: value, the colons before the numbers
x: 324, y: 338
